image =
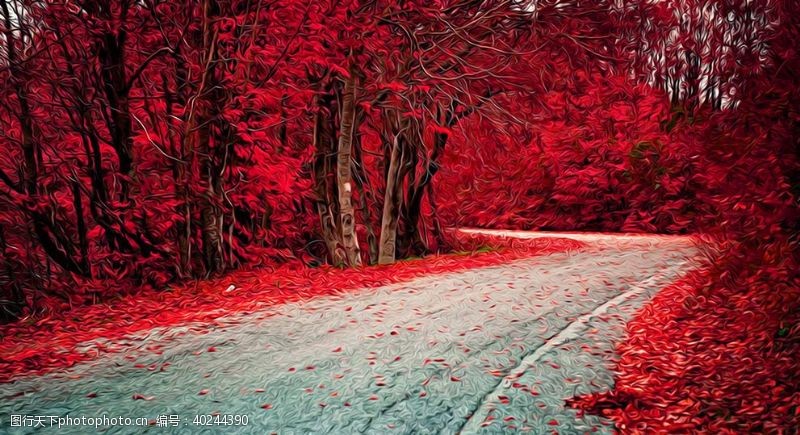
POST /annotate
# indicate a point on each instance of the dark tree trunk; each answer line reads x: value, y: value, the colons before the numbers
x: 81, y: 226
x: 413, y: 211
x: 323, y: 149
x: 112, y: 62
x: 12, y: 299
x: 208, y: 100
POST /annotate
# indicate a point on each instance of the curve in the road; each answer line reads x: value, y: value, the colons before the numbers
x: 490, y: 350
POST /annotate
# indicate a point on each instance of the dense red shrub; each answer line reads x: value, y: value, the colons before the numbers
x: 598, y: 157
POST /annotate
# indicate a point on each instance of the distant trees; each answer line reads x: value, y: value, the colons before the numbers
x: 610, y: 149
x: 700, y: 52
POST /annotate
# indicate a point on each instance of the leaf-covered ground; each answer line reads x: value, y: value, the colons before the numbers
x: 718, y: 353
x: 41, y: 345
x: 496, y: 344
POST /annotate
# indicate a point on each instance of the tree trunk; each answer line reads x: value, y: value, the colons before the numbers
x: 210, y: 215
x: 10, y: 282
x: 178, y: 166
x: 208, y: 99
x: 323, y: 149
x: 365, y: 193
x: 344, y: 176
x: 390, y: 206
x: 83, y: 244
x: 414, y: 209
x: 438, y: 233
x: 408, y: 175
x: 112, y: 60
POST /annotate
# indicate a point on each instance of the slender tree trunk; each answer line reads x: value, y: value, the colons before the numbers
x: 365, y: 193
x: 198, y: 132
x: 210, y: 215
x: 438, y: 233
x: 283, y: 129
x: 344, y: 176
x: 176, y: 147
x: 83, y: 244
x: 388, y: 241
x: 408, y: 175
x: 414, y: 208
x: 112, y: 60
x: 10, y: 309
x: 323, y: 149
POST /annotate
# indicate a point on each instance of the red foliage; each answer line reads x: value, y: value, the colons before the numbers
x: 146, y: 143
x: 598, y: 158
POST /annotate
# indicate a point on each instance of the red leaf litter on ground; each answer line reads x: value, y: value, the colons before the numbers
x: 717, y: 352
x: 51, y: 343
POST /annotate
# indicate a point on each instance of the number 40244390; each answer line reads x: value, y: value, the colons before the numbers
x: 220, y: 420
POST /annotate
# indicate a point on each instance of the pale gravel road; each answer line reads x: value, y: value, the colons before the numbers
x: 489, y: 350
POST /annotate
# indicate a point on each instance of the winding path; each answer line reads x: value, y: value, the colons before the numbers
x: 489, y: 350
